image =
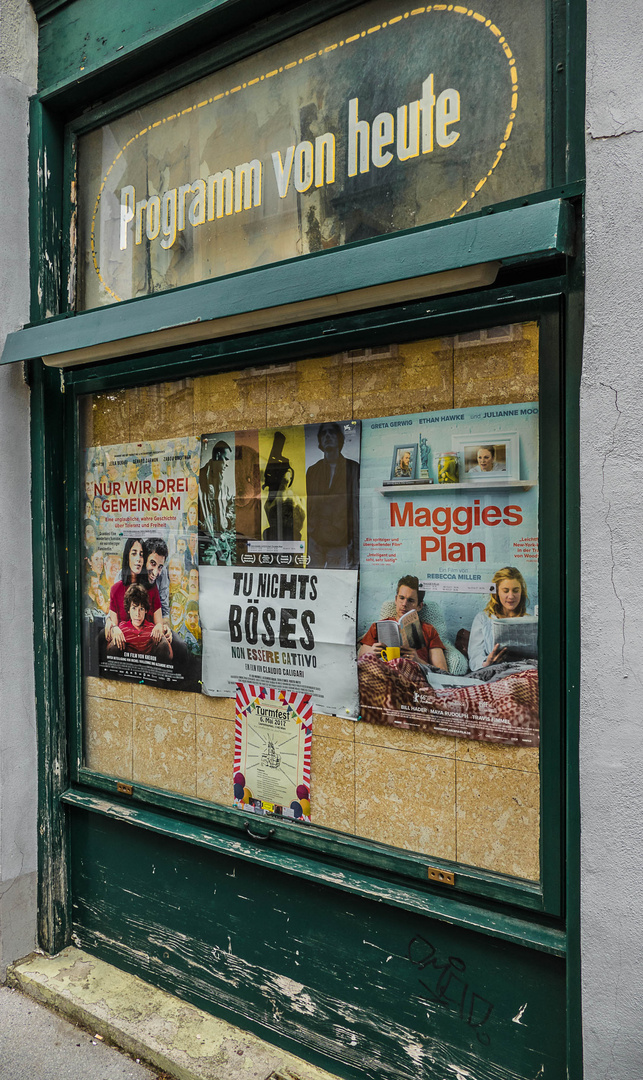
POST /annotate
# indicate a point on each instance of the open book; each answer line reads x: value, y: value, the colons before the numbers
x: 518, y: 636
x: 405, y: 633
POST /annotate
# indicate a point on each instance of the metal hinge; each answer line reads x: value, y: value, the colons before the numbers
x: 445, y: 877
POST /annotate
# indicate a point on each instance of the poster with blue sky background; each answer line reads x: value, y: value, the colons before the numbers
x: 456, y: 537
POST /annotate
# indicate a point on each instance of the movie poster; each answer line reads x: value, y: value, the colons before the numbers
x: 141, y: 572
x: 283, y: 496
x: 272, y: 745
x: 284, y: 628
x: 278, y: 554
x: 449, y: 502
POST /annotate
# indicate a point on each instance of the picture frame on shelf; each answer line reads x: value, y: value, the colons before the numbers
x: 404, y: 464
x: 489, y: 457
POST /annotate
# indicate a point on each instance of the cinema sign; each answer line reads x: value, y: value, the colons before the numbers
x: 381, y: 119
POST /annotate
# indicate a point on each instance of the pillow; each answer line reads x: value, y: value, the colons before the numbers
x: 430, y: 612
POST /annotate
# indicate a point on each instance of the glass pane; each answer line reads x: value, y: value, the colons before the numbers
x: 297, y: 498
x: 378, y: 120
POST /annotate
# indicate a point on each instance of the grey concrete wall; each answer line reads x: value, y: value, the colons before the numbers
x: 612, y: 543
x: 18, y: 782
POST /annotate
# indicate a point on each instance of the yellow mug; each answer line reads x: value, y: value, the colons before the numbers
x: 391, y: 652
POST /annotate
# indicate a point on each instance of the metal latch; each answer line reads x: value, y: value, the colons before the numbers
x: 445, y: 877
x: 124, y: 789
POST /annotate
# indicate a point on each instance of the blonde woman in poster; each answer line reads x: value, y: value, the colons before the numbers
x: 485, y: 462
x: 508, y: 602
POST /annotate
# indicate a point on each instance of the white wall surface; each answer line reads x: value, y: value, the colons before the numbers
x: 18, y: 781
x: 612, y: 549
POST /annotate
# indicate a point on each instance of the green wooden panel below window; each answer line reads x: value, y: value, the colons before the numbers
x: 355, y: 986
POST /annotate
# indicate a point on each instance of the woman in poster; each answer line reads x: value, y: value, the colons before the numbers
x: 485, y: 462
x: 508, y: 602
x: 191, y: 517
x: 133, y: 566
x: 495, y: 704
x: 91, y: 539
x: 96, y: 603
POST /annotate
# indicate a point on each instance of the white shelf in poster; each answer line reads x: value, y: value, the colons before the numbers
x: 470, y: 485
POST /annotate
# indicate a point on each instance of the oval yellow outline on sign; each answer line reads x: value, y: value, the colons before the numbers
x: 456, y: 8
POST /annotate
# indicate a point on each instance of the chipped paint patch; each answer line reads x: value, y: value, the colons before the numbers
x: 289, y: 986
x: 461, y: 1074
x: 517, y: 1019
x: 415, y: 1052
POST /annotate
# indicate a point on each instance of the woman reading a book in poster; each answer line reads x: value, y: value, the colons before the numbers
x: 408, y: 597
x: 508, y: 602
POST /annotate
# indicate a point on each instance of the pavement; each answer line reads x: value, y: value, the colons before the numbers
x: 37, y: 1044
x: 99, y: 1007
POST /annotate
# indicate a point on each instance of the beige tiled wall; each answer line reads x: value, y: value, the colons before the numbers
x: 472, y: 802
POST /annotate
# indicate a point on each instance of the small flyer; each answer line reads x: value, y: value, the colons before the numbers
x: 273, y: 737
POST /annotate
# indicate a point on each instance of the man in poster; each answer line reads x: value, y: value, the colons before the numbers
x: 216, y: 498
x: 408, y: 597
x: 332, y: 493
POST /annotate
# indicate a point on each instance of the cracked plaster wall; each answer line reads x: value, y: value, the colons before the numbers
x: 612, y: 533
x: 18, y: 786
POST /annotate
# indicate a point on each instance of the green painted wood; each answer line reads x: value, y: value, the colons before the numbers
x: 443, y: 907
x: 340, y: 849
x: 574, y: 120
x: 88, y: 50
x: 529, y: 232
x: 45, y: 211
x: 513, y: 300
x: 551, y: 587
x: 71, y: 46
x: 48, y: 584
x: 353, y: 985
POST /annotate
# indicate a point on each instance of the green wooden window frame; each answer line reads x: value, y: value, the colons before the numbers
x: 64, y: 108
x: 317, y: 852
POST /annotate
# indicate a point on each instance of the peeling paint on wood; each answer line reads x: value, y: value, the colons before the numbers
x: 358, y: 1007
